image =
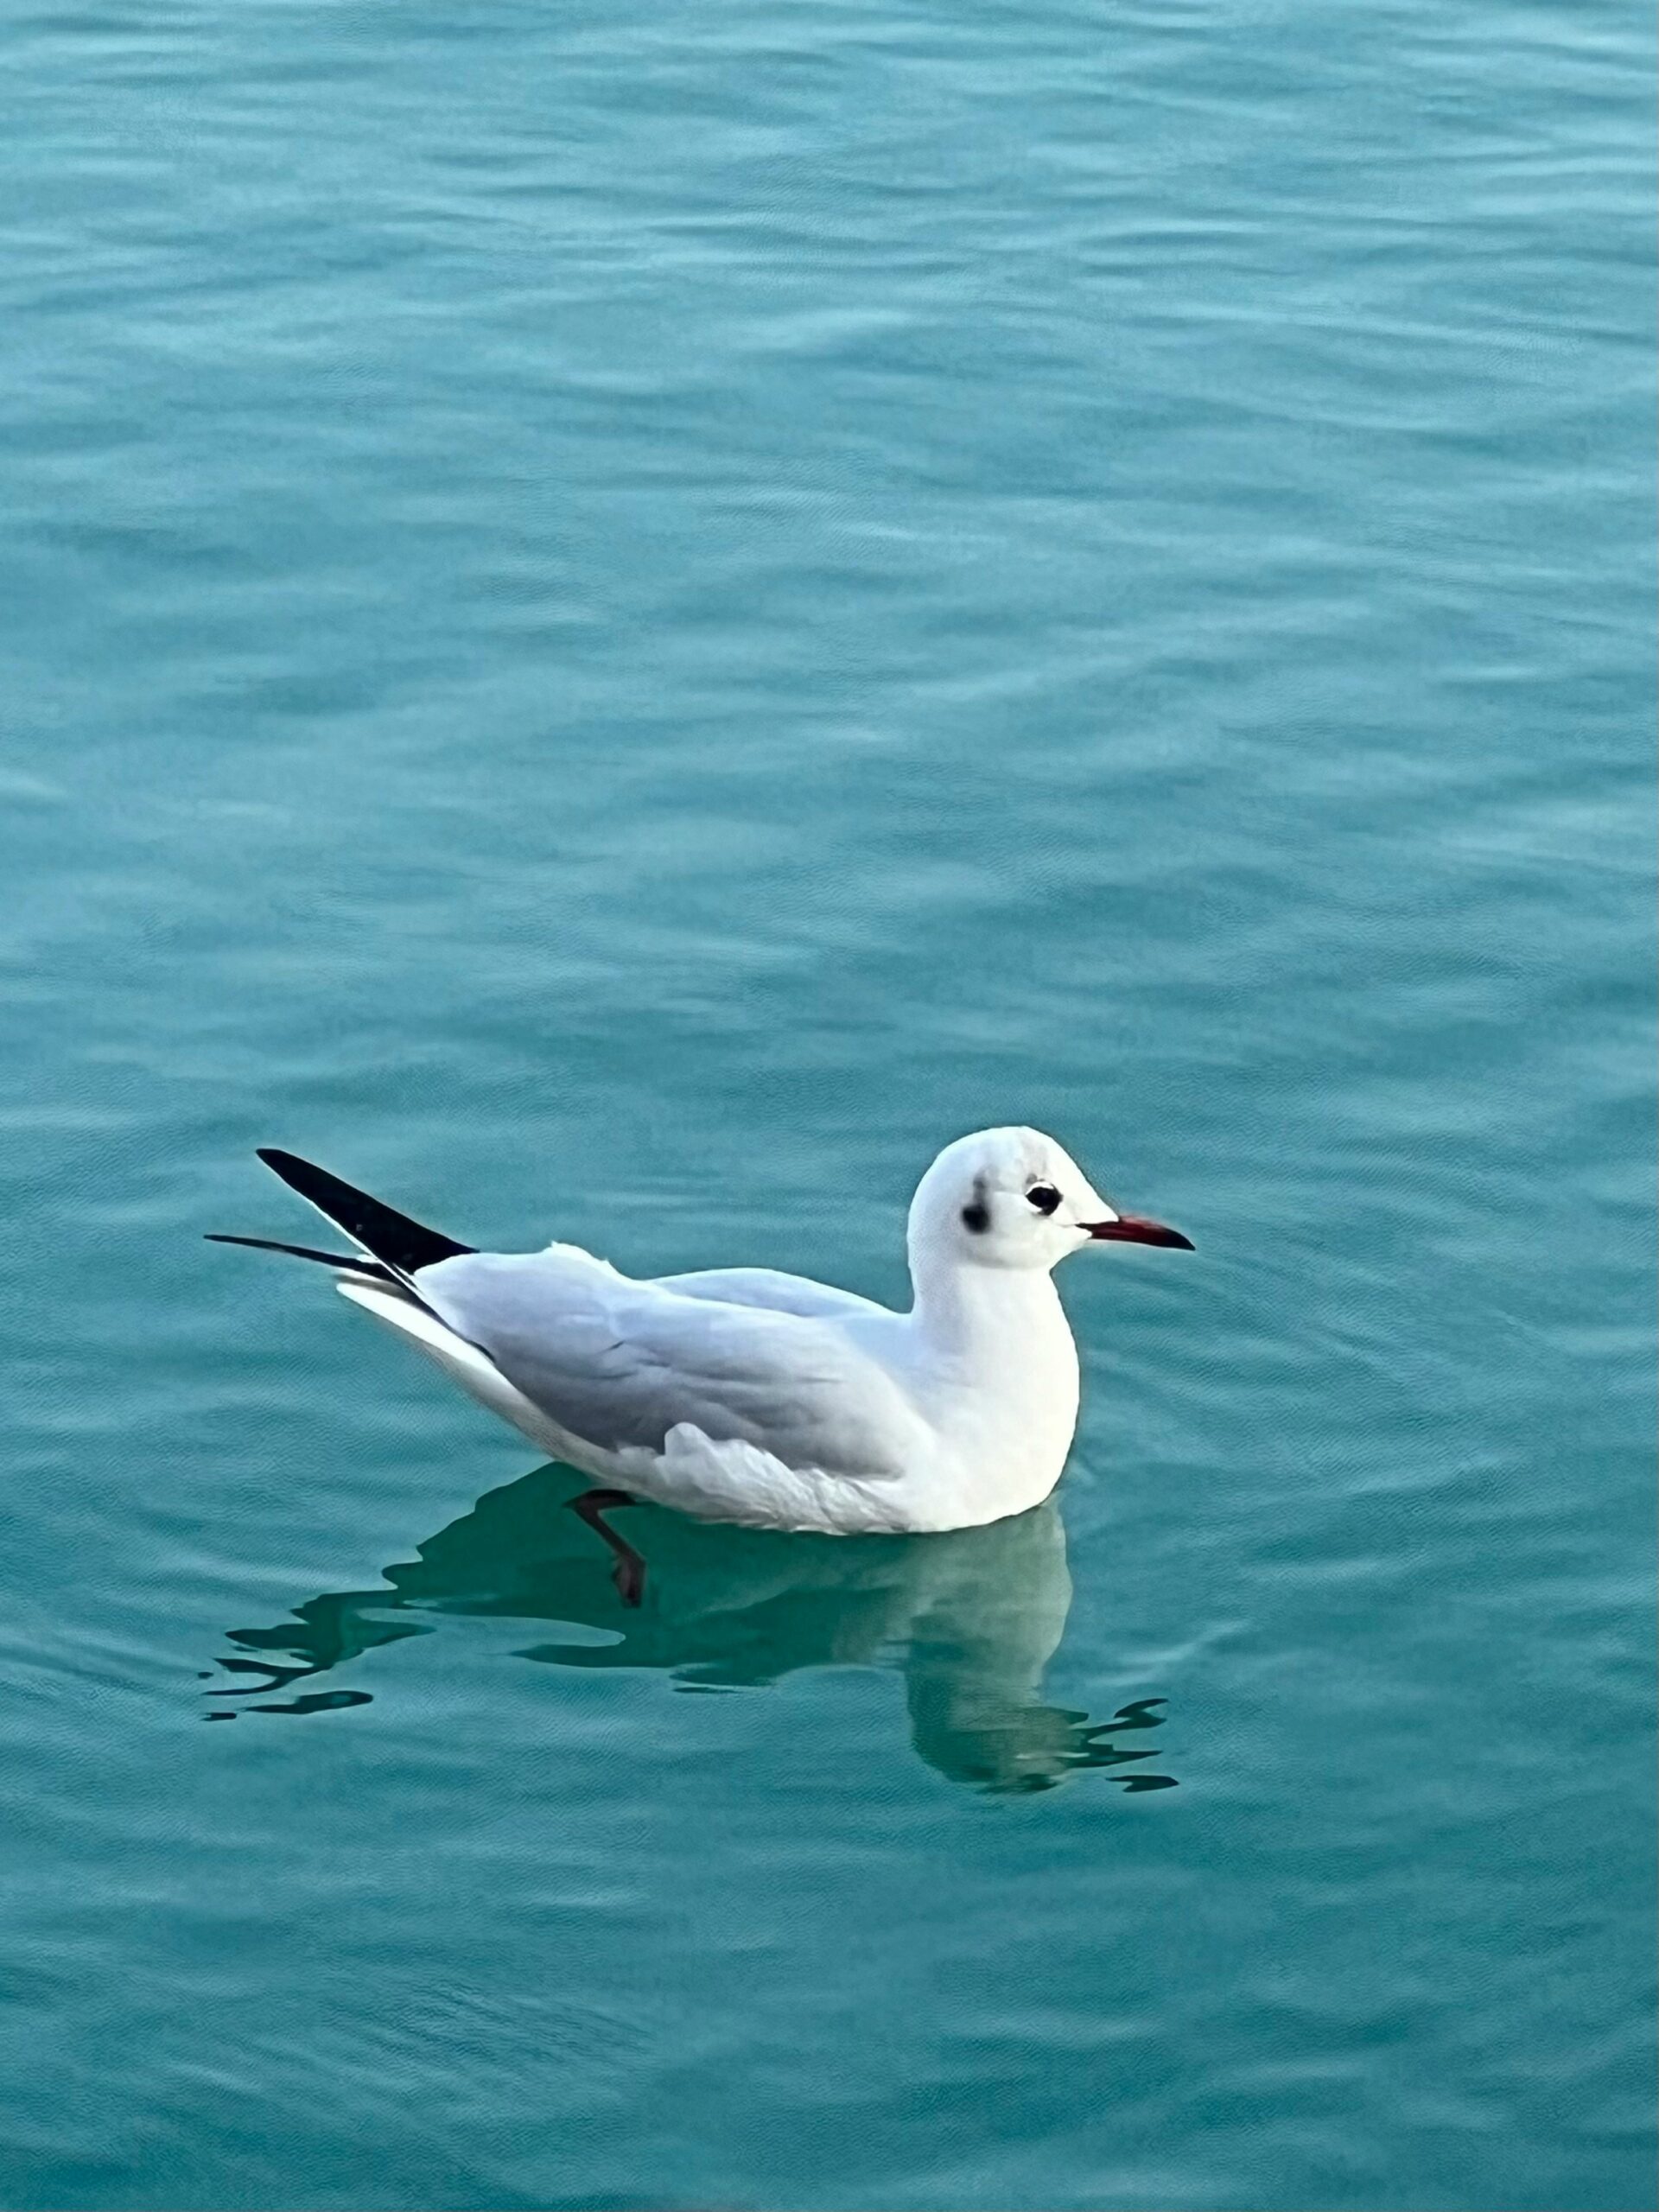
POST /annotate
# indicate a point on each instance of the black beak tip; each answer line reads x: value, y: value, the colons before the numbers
x: 1168, y: 1240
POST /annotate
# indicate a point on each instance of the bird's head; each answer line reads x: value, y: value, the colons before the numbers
x: 1015, y: 1198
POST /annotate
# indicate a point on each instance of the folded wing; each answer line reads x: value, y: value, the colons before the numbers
x: 619, y: 1363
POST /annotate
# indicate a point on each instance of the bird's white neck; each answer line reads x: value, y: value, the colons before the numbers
x: 991, y: 1315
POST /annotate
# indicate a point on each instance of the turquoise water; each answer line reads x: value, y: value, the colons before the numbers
x: 619, y: 625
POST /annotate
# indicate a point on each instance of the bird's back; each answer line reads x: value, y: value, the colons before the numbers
x: 772, y: 1291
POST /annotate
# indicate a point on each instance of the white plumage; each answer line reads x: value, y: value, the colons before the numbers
x: 747, y: 1396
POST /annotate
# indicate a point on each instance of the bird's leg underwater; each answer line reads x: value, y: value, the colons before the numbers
x: 629, y: 1573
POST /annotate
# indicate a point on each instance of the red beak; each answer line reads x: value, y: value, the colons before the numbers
x: 1135, y: 1229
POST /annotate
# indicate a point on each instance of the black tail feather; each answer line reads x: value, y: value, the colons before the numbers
x: 401, y: 1245
x: 357, y: 1263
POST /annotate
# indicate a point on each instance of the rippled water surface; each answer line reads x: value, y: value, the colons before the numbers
x: 621, y: 622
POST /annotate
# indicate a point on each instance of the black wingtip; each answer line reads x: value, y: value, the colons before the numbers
x: 348, y: 1263
x: 403, y: 1244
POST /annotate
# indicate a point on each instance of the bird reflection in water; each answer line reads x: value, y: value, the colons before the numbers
x: 971, y: 1619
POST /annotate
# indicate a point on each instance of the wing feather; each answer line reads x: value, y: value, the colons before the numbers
x: 620, y: 1364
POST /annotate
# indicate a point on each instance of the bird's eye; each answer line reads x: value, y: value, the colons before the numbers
x: 1044, y: 1197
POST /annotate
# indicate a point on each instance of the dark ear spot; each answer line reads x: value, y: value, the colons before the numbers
x: 976, y: 1215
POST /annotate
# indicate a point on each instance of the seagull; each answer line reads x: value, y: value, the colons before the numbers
x: 745, y: 1395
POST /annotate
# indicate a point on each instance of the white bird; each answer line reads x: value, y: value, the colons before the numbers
x: 747, y: 1396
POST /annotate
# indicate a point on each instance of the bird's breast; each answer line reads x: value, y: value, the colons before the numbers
x: 1006, y: 1413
